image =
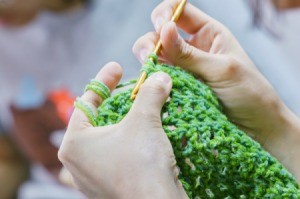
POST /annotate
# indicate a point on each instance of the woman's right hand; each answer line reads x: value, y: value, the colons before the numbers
x: 213, y: 54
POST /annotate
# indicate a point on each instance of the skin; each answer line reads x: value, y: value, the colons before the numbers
x: 134, y: 157
x: 132, y: 162
x: 213, y: 54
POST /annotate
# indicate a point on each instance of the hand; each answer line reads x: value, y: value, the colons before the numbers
x: 212, y: 53
x: 132, y: 159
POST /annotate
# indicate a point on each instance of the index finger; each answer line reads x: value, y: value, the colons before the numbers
x: 110, y: 76
x: 190, y: 21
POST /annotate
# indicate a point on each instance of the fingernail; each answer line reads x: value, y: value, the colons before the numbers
x: 162, y: 77
x: 158, y: 23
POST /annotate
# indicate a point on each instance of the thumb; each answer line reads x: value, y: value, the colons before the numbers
x: 177, y: 51
x: 152, y: 95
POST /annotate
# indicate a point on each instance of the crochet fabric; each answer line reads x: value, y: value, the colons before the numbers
x: 216, y: 159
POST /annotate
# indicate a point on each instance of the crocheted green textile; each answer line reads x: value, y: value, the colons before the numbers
x: 216, y: 159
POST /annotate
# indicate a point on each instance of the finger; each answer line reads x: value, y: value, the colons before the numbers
x: 145, y: 45
x: 190, y: 21
x: 110, y: 75
x: 180, y: 53
x: 152, y: 96
x: 66, y: 178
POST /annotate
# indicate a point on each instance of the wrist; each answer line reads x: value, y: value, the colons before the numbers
x: 290, y: 144
x: 284, y: 140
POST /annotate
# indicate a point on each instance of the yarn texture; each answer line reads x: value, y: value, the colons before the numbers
x: 216, y: 159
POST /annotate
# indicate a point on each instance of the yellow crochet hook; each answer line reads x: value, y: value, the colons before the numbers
x: 157, y: 49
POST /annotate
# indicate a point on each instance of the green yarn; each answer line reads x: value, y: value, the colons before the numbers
x: 85, y: 108
x: 99, y: 88
x: 216, y: 159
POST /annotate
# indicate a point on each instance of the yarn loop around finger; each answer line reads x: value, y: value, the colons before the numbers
x: 86, y: 109
x: 99, y: 88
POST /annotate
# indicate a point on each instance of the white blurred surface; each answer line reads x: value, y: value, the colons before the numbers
x: 43, y: 186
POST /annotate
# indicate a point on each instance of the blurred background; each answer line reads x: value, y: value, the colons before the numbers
x: 49, y: 49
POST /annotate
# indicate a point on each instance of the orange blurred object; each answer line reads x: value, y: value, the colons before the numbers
x: 63, y: 101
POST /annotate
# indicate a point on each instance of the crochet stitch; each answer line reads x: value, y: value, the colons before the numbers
x: 216, y: 159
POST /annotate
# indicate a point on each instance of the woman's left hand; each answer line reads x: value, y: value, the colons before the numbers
x: 132, y: 159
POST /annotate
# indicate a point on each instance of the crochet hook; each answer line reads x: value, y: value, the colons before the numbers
x: 175, y: 17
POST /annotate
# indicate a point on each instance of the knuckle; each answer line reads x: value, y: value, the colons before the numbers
x: 158, y: 11
x: 144, y: 41
x: 187, y: 52
x: 224, y: 30
x: 139, y: 43
x: 62, y: 155
x: 66, y: 149
x: 92, y: 98
x: 221, y: 29
x: 164, y: 9
x: 135, y: 49
x: 152, y: 36
x: 154, y: 13
x: 153, y: 87
x: 232, y: 67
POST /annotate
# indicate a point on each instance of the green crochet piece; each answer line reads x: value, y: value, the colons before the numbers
x: 216, y: 159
